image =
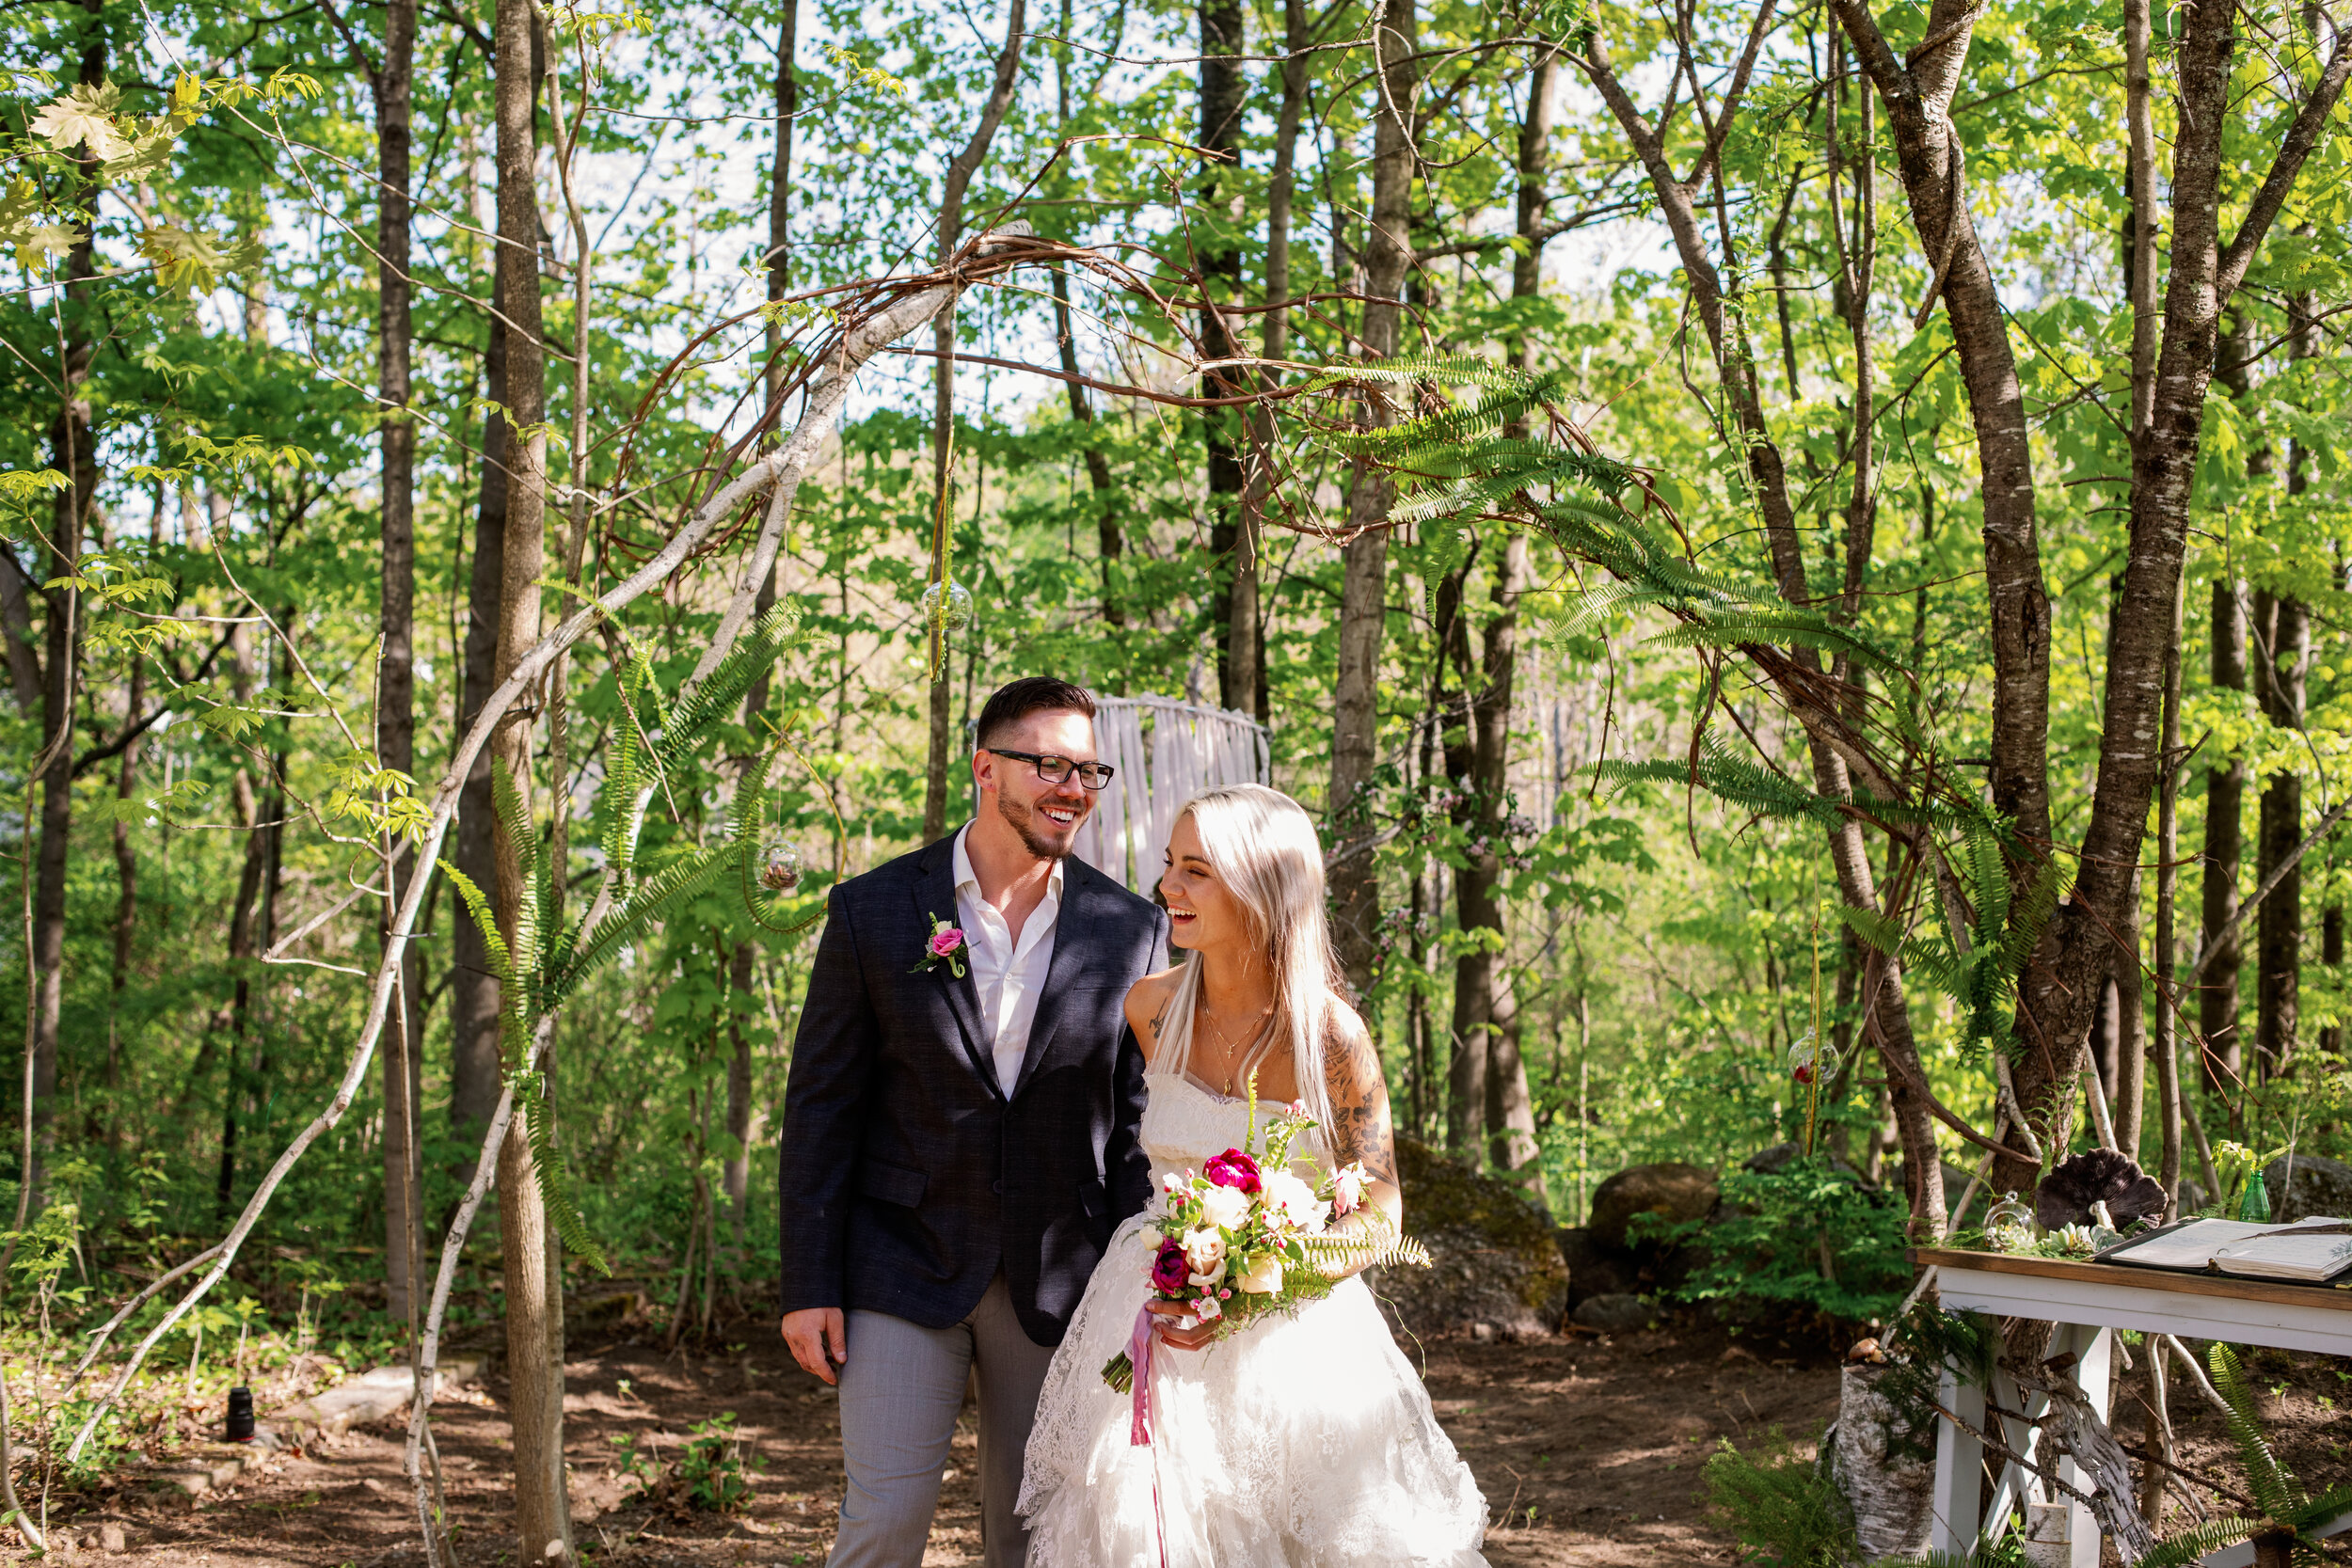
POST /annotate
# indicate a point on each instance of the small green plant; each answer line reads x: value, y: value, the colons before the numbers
x: 715, y: 1471
x: 712, y: 1473
x: 1807, y: 1235
x: 1783, y: 1507
x: 2285, y: 1531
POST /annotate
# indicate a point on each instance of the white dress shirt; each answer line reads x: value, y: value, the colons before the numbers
x: 1008, y: 976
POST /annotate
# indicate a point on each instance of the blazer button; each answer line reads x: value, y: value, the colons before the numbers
x: 997, y: 1187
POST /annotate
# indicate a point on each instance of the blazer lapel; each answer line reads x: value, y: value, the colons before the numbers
x: 935, y: 894
x: 1070, y: 955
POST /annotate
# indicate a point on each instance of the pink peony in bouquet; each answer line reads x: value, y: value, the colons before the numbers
x: 1247, y: 1236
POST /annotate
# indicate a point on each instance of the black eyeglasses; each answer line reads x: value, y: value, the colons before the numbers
x: 1094, y: 775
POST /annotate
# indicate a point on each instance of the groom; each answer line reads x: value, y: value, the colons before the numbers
x: 959, y: 1129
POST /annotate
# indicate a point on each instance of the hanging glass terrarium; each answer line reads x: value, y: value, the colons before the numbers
x: 947, y: 606
x: 2009, y: 1225
x: 779, y: 867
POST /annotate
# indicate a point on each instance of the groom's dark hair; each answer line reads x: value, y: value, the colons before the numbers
x: 1016, y: 700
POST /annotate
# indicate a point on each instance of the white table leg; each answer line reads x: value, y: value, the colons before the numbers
x: 1958, y: 1466
x: 2015, y: 1486
x: 2095, y: 1348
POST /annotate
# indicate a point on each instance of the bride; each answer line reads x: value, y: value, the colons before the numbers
x: 1298, y: 1442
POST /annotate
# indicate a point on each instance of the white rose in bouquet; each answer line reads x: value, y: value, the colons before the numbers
x: 1204, y: 1249
x: 1224, y: 1207
x: 1295, y: 1199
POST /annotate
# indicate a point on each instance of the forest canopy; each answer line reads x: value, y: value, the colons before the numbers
x: 1795, y: 551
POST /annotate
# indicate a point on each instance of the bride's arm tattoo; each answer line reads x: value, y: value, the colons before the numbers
x: 1159, y: 1015
x: 1359, y: 1093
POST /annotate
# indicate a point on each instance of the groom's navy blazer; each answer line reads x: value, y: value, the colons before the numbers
x: 910, y: 1174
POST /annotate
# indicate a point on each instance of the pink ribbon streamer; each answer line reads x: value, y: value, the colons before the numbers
x: 1139, y: 1424
x: 1139, y: 1353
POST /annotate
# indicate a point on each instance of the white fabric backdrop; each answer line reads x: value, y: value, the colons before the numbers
x: 1191, y: 748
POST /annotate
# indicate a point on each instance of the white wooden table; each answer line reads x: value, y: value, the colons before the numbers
x: 2088, y: 1302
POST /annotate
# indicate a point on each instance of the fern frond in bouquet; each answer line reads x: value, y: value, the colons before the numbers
x: 1246, y: 1237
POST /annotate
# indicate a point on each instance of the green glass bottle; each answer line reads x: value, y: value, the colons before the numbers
x: 2255, y: 1205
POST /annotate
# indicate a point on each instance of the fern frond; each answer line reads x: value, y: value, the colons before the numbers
x: 547, y: 1168
x: 620, y: 802
x: 632, y: 915
x: 2273, y: 1483
x: 1362, y: 1250
x: 722, y: 692
x: 2179, y: 1551
x: 486, y: 921
x: 522, y: 837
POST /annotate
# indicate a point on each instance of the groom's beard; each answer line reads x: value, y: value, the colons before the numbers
x: 1043, y: 840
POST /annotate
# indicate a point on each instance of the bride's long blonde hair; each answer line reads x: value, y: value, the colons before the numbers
x: 1263, y: 847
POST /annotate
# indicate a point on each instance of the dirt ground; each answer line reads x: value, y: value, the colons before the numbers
x: 1589, y: 1453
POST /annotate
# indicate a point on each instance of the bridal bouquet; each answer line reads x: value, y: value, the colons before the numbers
x: 1245, y: 1237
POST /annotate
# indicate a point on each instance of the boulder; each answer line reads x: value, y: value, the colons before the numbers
x: 1593, y: 1269
x: 1772, y: 1161
x: 1614, y: 1314
x: 1674, y: 1191
x: 2302, y: 1185
x: 1495, y: 1257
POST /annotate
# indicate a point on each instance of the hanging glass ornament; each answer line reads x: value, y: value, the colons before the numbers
x: 779, y: 867
x: 1808, y: 1060
x: 947, y: 606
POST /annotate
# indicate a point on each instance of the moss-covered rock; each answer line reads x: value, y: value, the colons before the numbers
x: 1495, y: 1258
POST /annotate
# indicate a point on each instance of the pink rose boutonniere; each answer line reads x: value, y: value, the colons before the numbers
x: 944, y: 946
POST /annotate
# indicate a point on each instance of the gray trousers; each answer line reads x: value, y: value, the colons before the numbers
x: 901, y: 1389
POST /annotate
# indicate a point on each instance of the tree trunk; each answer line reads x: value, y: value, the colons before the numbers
x: 1354, y: 873
x: 530, y: 1250
x: 248, y: 1073
x: 1473, y: 1001
x: 395, y: 713
x: 473, y: 990
x: 126, y: 902
x: 788, y: 98
x: 2163, y: 1041
x: 74, y: 455
x: 1110, y: 541
x: 1890, y: 1020
x: 2053, y: 1012
x: 742, y: 1116
x: 1232, y: 602
x: 1248, y: 616
x: 960, y: 172
x: 1489, y: 1027
x: 2283, y: 640
x: 2225, y: 813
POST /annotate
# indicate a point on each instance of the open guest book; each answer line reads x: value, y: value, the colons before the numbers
x: 2309, y: 1251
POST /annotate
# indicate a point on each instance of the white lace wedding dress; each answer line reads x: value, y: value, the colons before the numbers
x: 1301, y: 1442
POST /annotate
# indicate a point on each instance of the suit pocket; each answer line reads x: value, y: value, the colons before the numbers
x: 889, y: 1183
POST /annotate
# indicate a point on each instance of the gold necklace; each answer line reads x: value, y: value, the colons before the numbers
x: 1225, y: 1043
